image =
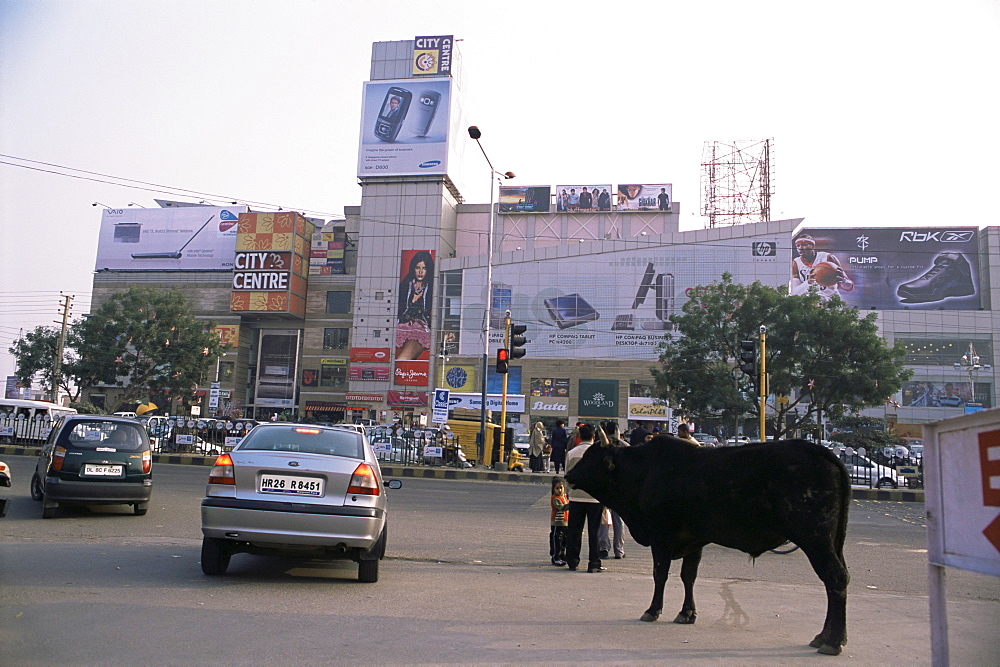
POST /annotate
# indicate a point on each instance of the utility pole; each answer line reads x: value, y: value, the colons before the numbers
x: 66, y: 305
x: 763, y: 382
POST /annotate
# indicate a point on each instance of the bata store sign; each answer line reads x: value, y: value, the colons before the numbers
x: 411, y: 373
x: 548, y: 405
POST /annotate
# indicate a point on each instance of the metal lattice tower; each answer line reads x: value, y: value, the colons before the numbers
x: 736, y: 182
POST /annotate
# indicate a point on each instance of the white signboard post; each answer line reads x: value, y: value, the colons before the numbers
x: 962, y: 482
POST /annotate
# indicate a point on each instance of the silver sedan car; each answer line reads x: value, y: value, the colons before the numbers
x: 299, y: 490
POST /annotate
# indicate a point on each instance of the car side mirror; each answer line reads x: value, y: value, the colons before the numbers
x: 394, y: 484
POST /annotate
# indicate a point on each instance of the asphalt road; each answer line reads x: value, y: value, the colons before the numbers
x: 466, y: 580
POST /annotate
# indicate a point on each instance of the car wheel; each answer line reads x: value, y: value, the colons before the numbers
x: 215, y: 556
x: 885, y: 483
x: 140, y: 509
x: 36, y: 487
x: 368, y: 571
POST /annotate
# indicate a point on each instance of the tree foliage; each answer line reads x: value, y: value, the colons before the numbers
x: 35, y: 353
x: 147, y: 342
x: 820, y: 356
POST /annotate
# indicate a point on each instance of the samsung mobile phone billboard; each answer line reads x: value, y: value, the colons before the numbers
x: 192, y: 238
x: 404, y: 127
x: 892, y: 268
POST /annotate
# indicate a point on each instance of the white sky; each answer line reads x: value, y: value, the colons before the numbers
x: 883, y: 113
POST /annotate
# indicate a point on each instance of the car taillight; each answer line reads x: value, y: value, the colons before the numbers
x: 363, y: 481
x: 147, y: 461
x: 57, y: 457
x: 222, y: 471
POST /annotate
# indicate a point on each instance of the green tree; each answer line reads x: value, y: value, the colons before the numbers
x: 147, y: 342
x: 821, y: 357
x: 35, y: 353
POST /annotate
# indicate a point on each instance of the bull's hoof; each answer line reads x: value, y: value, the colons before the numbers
x: 826, y: 649
x: 686, y: 618
x: 649, y: 616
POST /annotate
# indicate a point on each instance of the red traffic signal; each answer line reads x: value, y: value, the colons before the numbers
x: 503, y: 357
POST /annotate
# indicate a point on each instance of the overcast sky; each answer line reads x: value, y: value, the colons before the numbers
x: 883, y: 113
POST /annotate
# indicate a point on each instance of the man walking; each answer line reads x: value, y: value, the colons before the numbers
x: 583, y: 507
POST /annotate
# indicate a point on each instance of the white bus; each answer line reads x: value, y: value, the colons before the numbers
x: 28, y: 421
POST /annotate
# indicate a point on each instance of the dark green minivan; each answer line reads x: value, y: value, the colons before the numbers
x: 94, y: 460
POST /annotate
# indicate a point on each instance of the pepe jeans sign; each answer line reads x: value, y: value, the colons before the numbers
x: 598, y: 398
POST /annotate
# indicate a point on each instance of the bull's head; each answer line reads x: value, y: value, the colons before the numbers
x: 594, y: 471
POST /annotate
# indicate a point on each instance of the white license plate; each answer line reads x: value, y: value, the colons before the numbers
x: 291, y: 485
x: 102, y: 471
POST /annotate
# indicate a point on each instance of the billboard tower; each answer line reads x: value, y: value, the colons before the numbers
x: 736, y: 182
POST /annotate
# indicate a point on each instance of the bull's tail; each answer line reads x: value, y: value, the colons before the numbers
x: 845, y: 508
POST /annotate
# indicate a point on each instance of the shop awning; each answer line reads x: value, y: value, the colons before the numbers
x: 324, y: 406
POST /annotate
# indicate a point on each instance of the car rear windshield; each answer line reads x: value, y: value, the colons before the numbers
x: 95, y: 434
x: 306, y: 440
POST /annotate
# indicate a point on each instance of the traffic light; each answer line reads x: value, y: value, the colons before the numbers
x: 516, y: 340
x: 748, y: 357
x: 502, y: 359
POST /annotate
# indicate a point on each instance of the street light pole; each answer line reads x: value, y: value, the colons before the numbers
x: 970, y: 363
x: 475, y: 133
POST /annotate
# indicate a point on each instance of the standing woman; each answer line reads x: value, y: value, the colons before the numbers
x: 536, y: 446
x: 413, y: 330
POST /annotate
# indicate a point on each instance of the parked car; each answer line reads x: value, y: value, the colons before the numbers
x: 94, y: 460
x: 130, y: 415
x: 865, y: 471
x: 737, y: 441
x: 706, y: 439
x: 297, y: 490
x: 522, y: 445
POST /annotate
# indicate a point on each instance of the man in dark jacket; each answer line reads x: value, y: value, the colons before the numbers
x: 558, y: 441
x: 638, y: 436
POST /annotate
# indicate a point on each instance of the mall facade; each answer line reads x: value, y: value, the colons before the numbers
x: 363, y: 318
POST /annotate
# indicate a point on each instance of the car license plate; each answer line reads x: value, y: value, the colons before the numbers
x: 290, y: 485
x: 102, y: 470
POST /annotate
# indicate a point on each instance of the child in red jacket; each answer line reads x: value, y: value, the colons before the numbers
x: 558, y: 519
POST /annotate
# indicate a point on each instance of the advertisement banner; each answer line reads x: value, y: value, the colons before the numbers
x: 326, y: 253
x: 644, y: 197
x: 404, y: 399
x: 941, y: 394
x: 525, y: 198
x: 494, y: 380
x: 411, y: 373
x: 404, y: 127
x: 415, y: 305
x: 583, y: 198
x: 276, y: 368
x: 186, y: 238
x: 515, y: 402
x: 368, y: 373
x: 364, y: 397
x: 544, y: 405
x: 432, y: 55
x: 460, y: 377
x: 598, y: 398
x: 370, y: 354
x: 310, y: 377
x: 549, y: 387
x: 890, y: 268
x: 648, y: 409
x: 439, y: 414
x: 616, y: 304
x: 229, y: 334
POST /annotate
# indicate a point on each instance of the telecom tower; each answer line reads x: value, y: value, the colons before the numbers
x: 736, y: 182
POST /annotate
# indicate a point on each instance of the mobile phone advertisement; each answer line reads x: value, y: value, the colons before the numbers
x: 404, y: 127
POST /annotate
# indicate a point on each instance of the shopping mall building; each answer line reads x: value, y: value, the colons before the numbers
x: 364, y: 317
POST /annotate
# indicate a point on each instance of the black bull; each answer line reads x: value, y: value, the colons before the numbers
x: 676, y: 497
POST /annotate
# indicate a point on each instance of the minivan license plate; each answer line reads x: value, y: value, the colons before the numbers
x: 291, y: 485
x: 102, y: 471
